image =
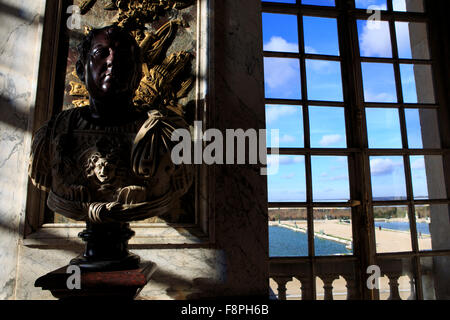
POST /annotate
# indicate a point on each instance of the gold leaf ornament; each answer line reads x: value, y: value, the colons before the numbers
x: 164, y: 79
x: 78, y: 89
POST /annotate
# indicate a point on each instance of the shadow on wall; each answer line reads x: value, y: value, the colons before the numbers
x: 18, y: 13
x: 180, y: 288
x: 176, y: 286
x: 9, y: 100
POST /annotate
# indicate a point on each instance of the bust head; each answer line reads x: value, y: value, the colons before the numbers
x: 109, y: 63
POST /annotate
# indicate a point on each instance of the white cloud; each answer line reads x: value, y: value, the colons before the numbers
x: 287, y: 138
x: 417, y: 164
x: 281, y: 73
x: 375, y: 37
x: 341, y: 177
x: 375, y: 40
x: 367, y: 3
x: 273, y: 113
x: 289, y: 176
x: 310, y: 50
x: 280, y: 44
x: 321, y: 66
x: 330, y: 139
x: 327, y: 177
x: 383, y: 166
x: 369, y: 96
x: 284, y: 160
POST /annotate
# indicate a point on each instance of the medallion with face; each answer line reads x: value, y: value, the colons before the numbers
x: 104, y: 170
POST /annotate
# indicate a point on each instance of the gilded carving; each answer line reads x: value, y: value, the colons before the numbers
x: 165, y: 80
x: 78, y: 89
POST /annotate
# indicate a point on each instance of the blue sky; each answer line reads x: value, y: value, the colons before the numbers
x: 398, y: 5
x: 327, y: 124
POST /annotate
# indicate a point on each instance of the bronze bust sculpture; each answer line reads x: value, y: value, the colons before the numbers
x: 109, y: 163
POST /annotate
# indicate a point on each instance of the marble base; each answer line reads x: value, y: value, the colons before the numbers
x: 124, y: 284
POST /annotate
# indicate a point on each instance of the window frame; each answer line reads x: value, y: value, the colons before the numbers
x: 52, y: 69
x: 358, y: 152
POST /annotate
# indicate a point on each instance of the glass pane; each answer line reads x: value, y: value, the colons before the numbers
x: 280, y: 32
x: 379, y: 82
x: 412, y: 40
x: 428, y: 177
x: 324, y: 80
x: 439, y: 227
x: 433, y: 227
x: 374, y: 38
x: 422, y: 128
x: 282, y: 78
x: 371, y: 4
x: 419, y: 177
x: 408, y: 5
x: 329, y: 3
x: 383, y: 128
x: 321, y: 35
x: 280, y: 1
x: 287, y: 183
x: 330, y: 178
x: 327, y: 127
x: 422, y: 213
x: 398, y: 279
x: 392, y: 229
x: 288, y: 232
x: 332, y: 231
x: 388, y: 178
x: 417, y: 83
x: 289, y: 121
x: 435, y: 277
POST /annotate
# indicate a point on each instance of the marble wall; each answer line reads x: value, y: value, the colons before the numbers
x: 21, y: 28
x: 235, y: 260
x: 181, y: 273
x: 240, y: 191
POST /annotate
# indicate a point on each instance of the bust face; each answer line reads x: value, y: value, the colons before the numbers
x: 104, y: 170
x: 110, y: 70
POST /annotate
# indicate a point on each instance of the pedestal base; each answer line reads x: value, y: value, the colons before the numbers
x: 106, y: 248
x: 124, y: 284
x: 131, y: 261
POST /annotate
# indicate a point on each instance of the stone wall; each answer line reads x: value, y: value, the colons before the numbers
x: 234, y: 260
x: 21, y: 27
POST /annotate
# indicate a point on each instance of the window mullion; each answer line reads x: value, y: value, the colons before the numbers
x: 307, y: 145
x: 359, y: 174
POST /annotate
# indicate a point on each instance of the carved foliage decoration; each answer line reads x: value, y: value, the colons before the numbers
x: 166, y: 79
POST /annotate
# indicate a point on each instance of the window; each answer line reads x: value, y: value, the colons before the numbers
x: 350, y: 87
